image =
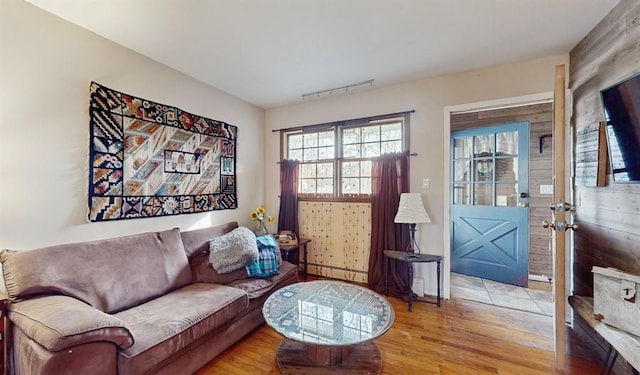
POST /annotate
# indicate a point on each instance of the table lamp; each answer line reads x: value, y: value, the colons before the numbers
x: 411, y: 211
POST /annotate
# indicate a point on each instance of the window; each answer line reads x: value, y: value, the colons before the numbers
x: 485, y: 169
x: 335, y: 159
x: 316, y: 152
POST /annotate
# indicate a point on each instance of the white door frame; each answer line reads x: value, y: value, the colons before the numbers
x: 518, y: 101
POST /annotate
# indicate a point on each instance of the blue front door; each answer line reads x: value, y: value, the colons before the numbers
x: 490, y: 204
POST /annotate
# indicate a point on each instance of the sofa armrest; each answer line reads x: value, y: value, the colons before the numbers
x: 60, y: 322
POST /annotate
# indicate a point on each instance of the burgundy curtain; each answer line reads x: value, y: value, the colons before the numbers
x: 288, y: 214
x: 389, y: 179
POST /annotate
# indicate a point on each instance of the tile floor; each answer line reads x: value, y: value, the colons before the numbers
x: 537, y: 298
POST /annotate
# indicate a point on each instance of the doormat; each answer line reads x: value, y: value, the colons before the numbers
x: 148, y: 159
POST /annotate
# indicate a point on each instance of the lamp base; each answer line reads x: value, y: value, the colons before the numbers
x: 413, y: 249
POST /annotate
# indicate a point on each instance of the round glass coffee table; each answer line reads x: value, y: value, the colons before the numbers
x: 328, y: 325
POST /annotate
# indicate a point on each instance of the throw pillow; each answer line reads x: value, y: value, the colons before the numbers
x: 267, y: 263
x: 233, y: 250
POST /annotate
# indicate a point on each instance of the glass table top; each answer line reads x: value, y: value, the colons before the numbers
x: 328, y: 313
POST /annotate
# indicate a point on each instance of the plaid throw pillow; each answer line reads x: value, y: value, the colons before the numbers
x: 267, y: 263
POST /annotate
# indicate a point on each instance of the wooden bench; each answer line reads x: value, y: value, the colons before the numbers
x: 620, y: 342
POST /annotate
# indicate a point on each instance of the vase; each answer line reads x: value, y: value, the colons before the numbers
x: 261, y: 229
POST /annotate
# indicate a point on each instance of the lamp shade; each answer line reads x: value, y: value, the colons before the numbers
x: 411, y: 210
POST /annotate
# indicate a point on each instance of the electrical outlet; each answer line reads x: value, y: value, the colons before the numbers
x: 426, y: 183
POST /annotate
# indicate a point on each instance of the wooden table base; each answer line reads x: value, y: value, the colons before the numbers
x: 297, y: 358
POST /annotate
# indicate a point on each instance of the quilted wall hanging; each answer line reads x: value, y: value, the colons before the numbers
x: 148, y: 159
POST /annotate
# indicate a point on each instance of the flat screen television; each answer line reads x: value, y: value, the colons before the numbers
x: 621, y: 105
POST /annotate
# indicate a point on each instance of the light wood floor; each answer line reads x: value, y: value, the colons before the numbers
x: 461, y: 337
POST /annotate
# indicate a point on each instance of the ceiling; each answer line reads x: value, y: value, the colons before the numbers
x: 270, y: 53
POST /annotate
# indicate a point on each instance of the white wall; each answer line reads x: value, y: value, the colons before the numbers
x: 428, y: 98
x: 46, y: 65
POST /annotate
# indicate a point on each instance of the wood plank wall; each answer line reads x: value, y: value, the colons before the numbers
x: 608, y: 216
x: 540, y: 117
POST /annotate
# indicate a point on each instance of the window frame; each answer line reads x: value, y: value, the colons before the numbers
x: 338, y: 159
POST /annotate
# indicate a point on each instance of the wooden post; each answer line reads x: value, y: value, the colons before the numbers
x: 559, y: 196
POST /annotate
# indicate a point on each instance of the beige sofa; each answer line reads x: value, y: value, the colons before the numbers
x: 143, y: 304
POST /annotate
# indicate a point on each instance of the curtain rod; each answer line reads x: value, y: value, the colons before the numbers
x: 409, y: 154
x: 344, y: 122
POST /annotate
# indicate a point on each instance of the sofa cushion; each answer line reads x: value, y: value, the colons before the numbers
x: 167, y: 324
x: 110, y: 275
x: 256, y: 288
x: 196, y: 241
x: 233, y: 250
x: 196, y: 245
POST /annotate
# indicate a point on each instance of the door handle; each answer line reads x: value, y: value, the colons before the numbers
x: 546, y: 224
x: 560, y: 226
x: 572, y: 226
x: 561, y: 206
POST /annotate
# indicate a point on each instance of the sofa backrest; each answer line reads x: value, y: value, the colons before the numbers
x: 196, y: 245
x: 110, y: 275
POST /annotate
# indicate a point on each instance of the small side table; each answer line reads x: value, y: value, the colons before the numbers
x: 287, y: 250
x: 403, y: 256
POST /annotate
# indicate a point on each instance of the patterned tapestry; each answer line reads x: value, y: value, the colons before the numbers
x: 148, y: 159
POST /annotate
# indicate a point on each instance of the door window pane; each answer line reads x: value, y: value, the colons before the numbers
x: 507, y: 143
x: 489, y: 163
x: 462, y: 148
x: 483, y: 145
x: 462, y: 194
x: 506, y: 195
x: 506, y: 169
x: 462, y: 170
x: 483, y: 194
x: 484, y: 170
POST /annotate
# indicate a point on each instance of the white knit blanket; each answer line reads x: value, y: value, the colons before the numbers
x: 233, y: 250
